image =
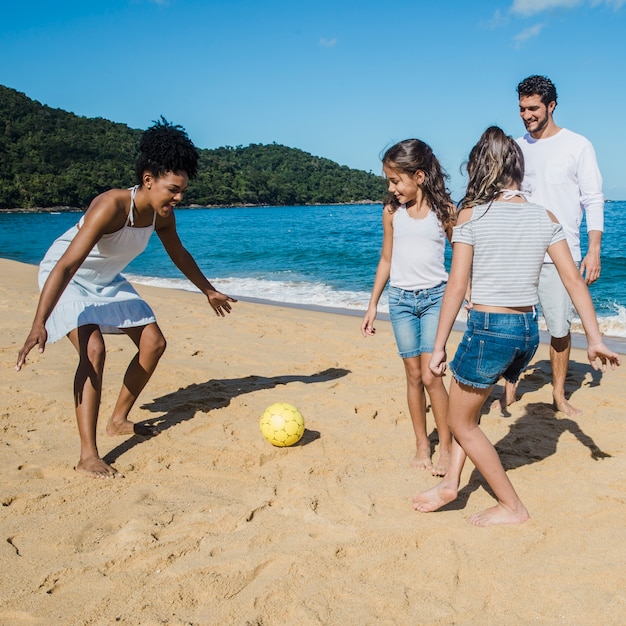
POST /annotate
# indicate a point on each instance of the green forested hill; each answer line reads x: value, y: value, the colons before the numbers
x: 49, y: 157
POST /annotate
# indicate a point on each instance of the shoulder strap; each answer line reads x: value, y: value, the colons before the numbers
x: 131, y: 217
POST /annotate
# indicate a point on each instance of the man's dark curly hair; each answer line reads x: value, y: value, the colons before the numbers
x: 538, y: 86
x: 165, y: 147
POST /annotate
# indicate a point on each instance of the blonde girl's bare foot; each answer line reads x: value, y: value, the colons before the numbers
x: 508, y: 397
x: 565, y: 407
x: 95, y: 467
x: 498, y: 514
x: 440, y: 467
x: 435, y: 498
x: 116, y: 429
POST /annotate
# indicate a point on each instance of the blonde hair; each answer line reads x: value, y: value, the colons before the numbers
x: 495, y: 163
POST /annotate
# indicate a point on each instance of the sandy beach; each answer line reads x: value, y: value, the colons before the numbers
x: 213, y: 525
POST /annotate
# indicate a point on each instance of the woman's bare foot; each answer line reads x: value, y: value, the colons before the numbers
x: 435, y: 498
x: 115, y: 429
x: 440, y: 467
x: 498, y: 514
x: 95, y: 467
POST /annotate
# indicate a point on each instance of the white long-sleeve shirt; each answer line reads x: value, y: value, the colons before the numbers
x: 561, y: 173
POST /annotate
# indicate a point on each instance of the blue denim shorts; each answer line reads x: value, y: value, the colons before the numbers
x: 495, y: 345
x: 414, y: 317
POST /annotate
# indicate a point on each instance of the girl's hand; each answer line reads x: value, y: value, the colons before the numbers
x: 37, y: 336
x: 367, y: 327
x: 438, y: 363
x: 220, y: 303
x: 600, y: 351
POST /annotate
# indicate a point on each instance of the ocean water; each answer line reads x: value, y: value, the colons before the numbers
x: 311, y: 256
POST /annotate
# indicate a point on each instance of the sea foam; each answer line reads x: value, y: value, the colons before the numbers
x: 319, y: 294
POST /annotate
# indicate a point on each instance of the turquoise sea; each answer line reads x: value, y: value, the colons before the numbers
x: 311, y: 256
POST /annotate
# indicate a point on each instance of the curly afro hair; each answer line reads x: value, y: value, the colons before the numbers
x: 165, y: 147
x: 538, y: 86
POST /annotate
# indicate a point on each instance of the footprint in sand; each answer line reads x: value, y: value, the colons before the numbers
x: 32, y: 471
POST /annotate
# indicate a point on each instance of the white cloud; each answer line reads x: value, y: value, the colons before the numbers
x: 328, y: 43
x: 499, y: 19
x: 527, y: 34
x: 616, y: 4
x: 531, y: 7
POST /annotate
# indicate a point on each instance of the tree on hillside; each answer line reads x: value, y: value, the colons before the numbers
x: 50, y: 157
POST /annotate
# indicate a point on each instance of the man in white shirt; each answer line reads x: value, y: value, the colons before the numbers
x: 561, y: 173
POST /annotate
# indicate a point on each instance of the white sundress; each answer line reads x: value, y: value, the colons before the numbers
x: 98, y: 293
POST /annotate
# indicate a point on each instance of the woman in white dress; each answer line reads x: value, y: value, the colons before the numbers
x: 83, y: 294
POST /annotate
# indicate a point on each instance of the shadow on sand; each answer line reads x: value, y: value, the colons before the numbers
x: 534, y: 436
x: 183, y: 405
x: 540, y: 375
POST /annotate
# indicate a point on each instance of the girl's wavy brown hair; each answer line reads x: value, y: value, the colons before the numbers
x: 408, y: 157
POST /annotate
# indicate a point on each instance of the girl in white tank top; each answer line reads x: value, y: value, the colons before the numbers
x: 417, y: 219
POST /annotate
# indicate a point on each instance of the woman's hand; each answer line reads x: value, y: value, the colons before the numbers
x: 220, y: 303
x: 37, y: 336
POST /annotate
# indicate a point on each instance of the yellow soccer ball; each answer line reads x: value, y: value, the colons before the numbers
x: 282, y: 424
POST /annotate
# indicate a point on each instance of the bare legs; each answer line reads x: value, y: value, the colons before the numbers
x: 463, y: 414
x: 151, y: 344
x: 508, y: 395
x: 447, y: 490
x: 559, y: 360
x: 418, y: 378
x: 560, y: 348
x: 89, y: 344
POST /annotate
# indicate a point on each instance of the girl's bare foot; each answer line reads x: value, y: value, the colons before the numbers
x: 435, y: 498
x: 440, y: 467
x: 508, y: 397
x: 421, y: 461
x: 115, y: 429
x: 498, y: 514
x: 95, y: 467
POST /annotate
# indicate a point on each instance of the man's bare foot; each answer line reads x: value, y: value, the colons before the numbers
x: 440, y: 466
x: 565, y: 407
x: 115, y: 429
x: 499, y: 515
x: 95, y: 467
x: 421, y: 461
x: 435, y: 498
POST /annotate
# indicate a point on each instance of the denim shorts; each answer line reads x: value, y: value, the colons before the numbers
x: 414, y: 317
x: 495, y: 345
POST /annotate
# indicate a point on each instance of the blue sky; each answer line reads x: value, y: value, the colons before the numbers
x: 339, y: 79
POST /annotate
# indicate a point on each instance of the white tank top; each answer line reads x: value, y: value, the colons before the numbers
x: 109, y: 256
x: 417, y: 256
